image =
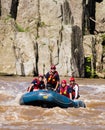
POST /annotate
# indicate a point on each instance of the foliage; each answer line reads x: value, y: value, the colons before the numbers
x: 88, y: 69
x: 8, y: 18
x: 41, y: 24
x: 88, y: 59
x: 89, y: 72
x: 93, y: 74
x: 55, y: 1
x: 103, y: 37
x: 20, y: 29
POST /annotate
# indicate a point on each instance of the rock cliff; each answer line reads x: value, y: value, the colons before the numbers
x: 37, y: 33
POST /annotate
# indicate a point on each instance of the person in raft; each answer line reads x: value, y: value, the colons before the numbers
x: 75, y: 88
x: 52, y: 79
x: 65, y: 89
x: 37, y: 84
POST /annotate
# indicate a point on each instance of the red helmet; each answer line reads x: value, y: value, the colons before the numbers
x: 63, y: 82
x: 72, y: 79
x: 53, y: 67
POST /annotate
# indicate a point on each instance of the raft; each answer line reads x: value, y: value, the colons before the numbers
x: 48, y: 99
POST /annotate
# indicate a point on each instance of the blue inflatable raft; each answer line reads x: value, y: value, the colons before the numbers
x: 49, y: 99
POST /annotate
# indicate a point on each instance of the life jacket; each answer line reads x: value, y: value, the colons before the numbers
x: 64, y: 91
x: 52, y: 78
x: 41, y: 85
x: 36, y: 84
x: 73, y: 90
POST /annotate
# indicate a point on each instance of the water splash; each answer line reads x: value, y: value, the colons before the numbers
x: 14, y: 116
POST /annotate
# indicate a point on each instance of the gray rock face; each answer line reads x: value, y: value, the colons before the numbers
x: 100, y: 16
x: 25, y: 54
x: 37, y: 33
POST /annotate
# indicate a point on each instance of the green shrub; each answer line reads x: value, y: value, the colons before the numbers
x: 19, y: 28
x: 103, y: 37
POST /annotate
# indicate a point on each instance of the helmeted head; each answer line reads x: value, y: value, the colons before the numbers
x: 53, y: 68
x: 40, y: 77
x: 63, y: 83
x: 72, y: 79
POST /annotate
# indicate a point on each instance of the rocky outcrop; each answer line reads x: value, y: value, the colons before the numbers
x: 100, y: 17
x: 94, y: 38
x: 38, y: 33
x: 24, y: 44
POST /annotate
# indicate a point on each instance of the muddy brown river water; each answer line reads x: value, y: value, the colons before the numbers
x: 16, y: 117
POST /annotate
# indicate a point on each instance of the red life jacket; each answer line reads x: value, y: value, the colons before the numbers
x: 73, y: 90
x: 63, y: 91
x: 52, y: 78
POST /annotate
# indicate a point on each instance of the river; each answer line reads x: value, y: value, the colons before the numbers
x: 16, y: 117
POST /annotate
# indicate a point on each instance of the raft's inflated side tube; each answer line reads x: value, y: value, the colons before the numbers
x: 48, y: 98
x: 78, y: 104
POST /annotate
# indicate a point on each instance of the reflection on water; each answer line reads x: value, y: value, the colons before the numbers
x: 15, y: 117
